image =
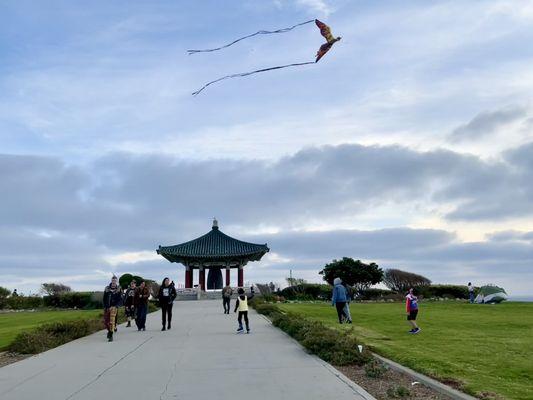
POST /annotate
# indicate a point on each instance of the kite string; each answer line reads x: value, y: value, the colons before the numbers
x: 250, y: 73
x: 262, y: 32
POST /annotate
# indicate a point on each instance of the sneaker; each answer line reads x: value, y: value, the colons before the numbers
x: 412, y: 331
x: 240, y: 329
x: 349, y: 322
x: 168, y: 327
x: 247, y: 330
x: 109, y: 334
x: 144, y: 328
x: 417, y: 330
x: 129, y: 324
x: 110, y: 337
x: 163, y: 328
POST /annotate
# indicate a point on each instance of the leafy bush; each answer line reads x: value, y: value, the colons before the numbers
x: 379, y: 294
x: 375, y: 369
x: 48, y: 336
x: 400, y: 391
x: 80, y: 300
x: 328, y: 344
x: 449, y: 291
x: 23, y: 302
x: 401, y: 281
x: 307, y: 291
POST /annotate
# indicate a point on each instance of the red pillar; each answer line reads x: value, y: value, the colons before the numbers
x: 227, y: 276
x: 188, y: 278
x: 202, y: 279
x: 240, y: 278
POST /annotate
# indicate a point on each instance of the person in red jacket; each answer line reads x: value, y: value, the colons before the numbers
x: 411, y: 307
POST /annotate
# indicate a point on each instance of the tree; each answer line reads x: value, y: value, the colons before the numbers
x: 53, y: 289
x: 4, y: 292
x: 295, y: 281
x: 401, y: 281
x: 353, y: 273
x: 125, y: 280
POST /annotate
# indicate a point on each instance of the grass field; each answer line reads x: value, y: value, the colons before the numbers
x: 489, y: 348
x: 13, y: 323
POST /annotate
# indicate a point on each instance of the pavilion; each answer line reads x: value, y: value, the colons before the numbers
x: 214, y: 251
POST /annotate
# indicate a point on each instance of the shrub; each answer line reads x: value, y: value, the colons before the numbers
x: 377, y: 294
x: 266, y: 309
x: 307, y: 291
x: 48, y: 336
x: 401, y: 281
x: 400, y: 391
x: 449, y: 291
x: 375, y: 369
x: 23, y: 302
x: 80, y: 300
x: 328, y: 344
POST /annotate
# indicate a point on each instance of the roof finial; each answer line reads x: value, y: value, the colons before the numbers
x: 215, y: 223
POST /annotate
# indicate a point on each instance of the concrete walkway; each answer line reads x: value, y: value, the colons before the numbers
x: 200, y: 358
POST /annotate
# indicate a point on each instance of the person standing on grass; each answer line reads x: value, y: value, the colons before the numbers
x: 339, y: 298
x: 471, y: 292
x: 411, y: 307
x: 141, y: 305
x: 129, y: 306
x: 166, y: 296
x: 241, y: 305
x: 227, y: 292
x: 112, y: 300
x: 346, y: 309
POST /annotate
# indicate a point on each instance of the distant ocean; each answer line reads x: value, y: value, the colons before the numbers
x: 521, y: 298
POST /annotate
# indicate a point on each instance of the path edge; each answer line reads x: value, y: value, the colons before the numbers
x: 343, y: 378
x: 426, y: 380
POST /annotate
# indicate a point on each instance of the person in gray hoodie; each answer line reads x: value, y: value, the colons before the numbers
x: 339, y: 298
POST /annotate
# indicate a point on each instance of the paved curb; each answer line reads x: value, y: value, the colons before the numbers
x: 343, y: 378
x: 426, y: 380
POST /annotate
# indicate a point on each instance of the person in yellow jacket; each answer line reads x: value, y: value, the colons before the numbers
x: 242, y: 307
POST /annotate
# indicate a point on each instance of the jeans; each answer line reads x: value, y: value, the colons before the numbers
x: 140, y: 321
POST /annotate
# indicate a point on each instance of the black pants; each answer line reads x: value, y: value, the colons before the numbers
x: 167, y: 311
x: 245, y: 313
x: 340, y: 310
x: 225, y: 303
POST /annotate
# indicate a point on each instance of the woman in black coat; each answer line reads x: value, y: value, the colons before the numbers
x: 166, y: 296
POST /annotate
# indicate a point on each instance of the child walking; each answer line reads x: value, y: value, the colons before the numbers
x: 242, y: 307
x: 411, y: 307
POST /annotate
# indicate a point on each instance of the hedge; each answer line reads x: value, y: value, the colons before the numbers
x: 338, y: 348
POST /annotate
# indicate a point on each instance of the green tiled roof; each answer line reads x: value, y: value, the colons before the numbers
x: 214, y: 245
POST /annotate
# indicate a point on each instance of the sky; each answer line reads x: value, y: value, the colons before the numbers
x: 410, y: 144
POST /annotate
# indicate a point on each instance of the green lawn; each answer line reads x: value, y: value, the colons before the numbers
x: 13, y: 323
x: 487, y: 347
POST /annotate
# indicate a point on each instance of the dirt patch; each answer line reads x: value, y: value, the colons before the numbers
x: 391, y: 385
x: 10, y: 358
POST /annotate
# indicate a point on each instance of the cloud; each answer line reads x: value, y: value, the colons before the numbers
x: 488, y: 123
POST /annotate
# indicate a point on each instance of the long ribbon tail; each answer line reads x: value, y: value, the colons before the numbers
x: 250, y: 73
x: 283, y: 30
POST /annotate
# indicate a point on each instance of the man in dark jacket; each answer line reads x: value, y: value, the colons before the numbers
x: 141, y: 304
x: 129, y: 306
x: 227, y: 292
x: 112, y: 300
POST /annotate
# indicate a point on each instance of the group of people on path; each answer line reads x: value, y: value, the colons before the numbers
x: 135, y: 301
x: 342, y: 295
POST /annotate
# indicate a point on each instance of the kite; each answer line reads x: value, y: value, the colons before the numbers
x: 324, y: 31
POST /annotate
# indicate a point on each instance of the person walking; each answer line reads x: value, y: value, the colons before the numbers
x: 346, y: 309
x: 339, y: 298
x: 166, y: 296
x: 112, y: 300
x: 129, y: 306
x: 141, y: 305
x: 471, y: 292
x: 241, y: 305
x: 411, y: 307
x: 227, y: 292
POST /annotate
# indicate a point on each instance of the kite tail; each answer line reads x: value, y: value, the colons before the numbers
x: 283, y: 30
x: 251, y: 73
